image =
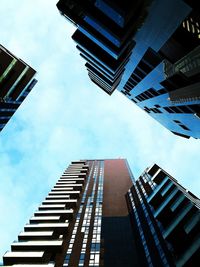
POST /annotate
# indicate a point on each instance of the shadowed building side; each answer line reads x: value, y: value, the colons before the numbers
x: 165, y: 218
x: 118, y: 244
x: 16, y: 82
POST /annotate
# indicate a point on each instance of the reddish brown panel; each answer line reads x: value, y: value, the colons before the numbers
x: 117, y: 181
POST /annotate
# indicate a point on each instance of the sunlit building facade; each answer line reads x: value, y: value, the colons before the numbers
x: 16, y: 82
x: 148, y: 50
x: 97, y: 214
x: 81, y: 222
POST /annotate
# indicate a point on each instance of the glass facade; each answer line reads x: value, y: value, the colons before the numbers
x: 166, y: 217
x: 105, y: 34
x: 156, y: 45
x: 144, y: 80
x: 88, y: 221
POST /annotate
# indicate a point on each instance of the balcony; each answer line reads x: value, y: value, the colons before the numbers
x: 178, y: 202
x: 47, y: 245
x: 67, y: 197
x: 56, y: 227
x: 74, y: 174
x: 11, y: 258
x: 78, y: 162
x: 70, y: 203
x: 167, y: 188
x: 73, y: 186
x: 46, y: 235
x: 165, y: 202
x: 75, y: 166
x: 80, y: 170
x: 178, y: 218
x: 72, y: 179
x: 157, y: 189
x: 52, y: 207
x: 63, y: 213
x: 193, y: 222
x: 62, y: 189
x: 60, y: 182
x: 66, y: 176
x: 73, y: 194
x: 44, y: 219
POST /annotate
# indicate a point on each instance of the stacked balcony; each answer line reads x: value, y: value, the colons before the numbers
x: 105, y: 35
x: 178, y: 211
x: 43, y: 236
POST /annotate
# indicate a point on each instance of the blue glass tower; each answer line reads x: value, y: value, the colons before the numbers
x: 148, y: 50
x: 104, y: 36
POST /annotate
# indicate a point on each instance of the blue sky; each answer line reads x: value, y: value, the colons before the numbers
x: 67, y: 117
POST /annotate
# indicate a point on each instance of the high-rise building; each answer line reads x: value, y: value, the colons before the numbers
x: 165, y: 218
x: 148, y: 50
x: 16, y: 81
x: 98, y: 215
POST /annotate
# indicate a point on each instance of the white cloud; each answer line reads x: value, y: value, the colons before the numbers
x: 67, y: 117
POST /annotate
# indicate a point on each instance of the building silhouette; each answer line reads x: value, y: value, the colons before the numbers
x: 148, y: 50
x: 16, y: 81
x: 97, y: 214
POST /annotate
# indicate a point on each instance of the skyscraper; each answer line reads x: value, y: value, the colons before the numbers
x: 148, y: 50
x: 98, y: 215
x: 165, y: 218
x: 16, y: 81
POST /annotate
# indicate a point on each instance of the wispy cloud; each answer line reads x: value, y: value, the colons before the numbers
x: 66, y: 117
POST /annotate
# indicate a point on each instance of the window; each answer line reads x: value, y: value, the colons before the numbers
x: 162, y: 91
x: 148, y: 62
x: 185, y: 109
x: 195, y: 108
x: 145, y: 67
x: 135, y: 78
x: 169, y: 110
x: 182, y: 135
x: 151, y: 57
x: 139, y: 73
x: 176, y: 109
x: 153, y: 92
x: 155, y: 110
x: 184, y: 127
x: 134, y: 100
